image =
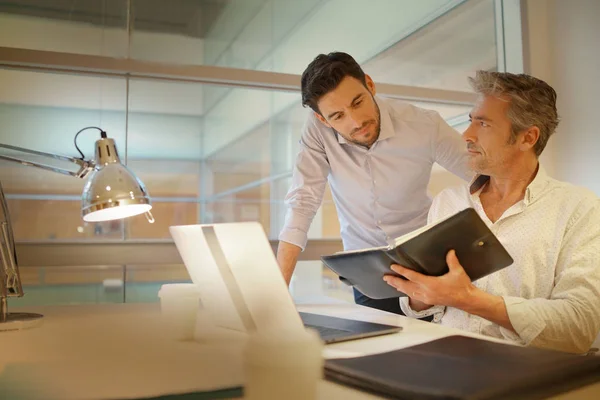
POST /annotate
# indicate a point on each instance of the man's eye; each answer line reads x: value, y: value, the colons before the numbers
x: 358, y: 103
x: 483, y: 124
x: 337, y: 117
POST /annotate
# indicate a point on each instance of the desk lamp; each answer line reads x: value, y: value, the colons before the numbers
x: 111, y: 192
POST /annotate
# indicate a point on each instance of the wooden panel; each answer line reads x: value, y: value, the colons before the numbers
x: 150, y: 252
x: 156, y: 273
x: 56, y: 219
x: 165, y: 215
x: 80, y: 275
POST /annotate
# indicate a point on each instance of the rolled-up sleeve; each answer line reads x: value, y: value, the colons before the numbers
x: 570, y: 319
x: 436, y: 311
x: 308, y: 186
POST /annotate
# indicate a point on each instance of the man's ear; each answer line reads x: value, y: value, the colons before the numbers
x: 529, y: 138
x: 370, y: 85
x: 322, y: 119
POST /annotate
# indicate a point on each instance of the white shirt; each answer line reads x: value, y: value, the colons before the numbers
x: 552, y: 290
x: 380, y: 193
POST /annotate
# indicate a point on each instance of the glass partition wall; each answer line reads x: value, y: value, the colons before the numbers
x: 203, y: 101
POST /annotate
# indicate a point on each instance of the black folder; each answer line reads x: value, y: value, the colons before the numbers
x: 424, y: 250
x: 465, y: 368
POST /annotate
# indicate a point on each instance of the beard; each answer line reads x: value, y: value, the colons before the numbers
x: 477, y: 163
x: 478, y: 166
x: 486, y: 163
x: 367, y: 141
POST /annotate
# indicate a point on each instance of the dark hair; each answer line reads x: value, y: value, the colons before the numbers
x: 325, y: 73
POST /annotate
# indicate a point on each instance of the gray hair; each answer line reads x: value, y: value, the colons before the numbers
x: 532, y: 102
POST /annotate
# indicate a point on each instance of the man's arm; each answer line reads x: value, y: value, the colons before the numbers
x: 569, y: 319
x: 488, y: 306
x: 287, y: 257
x: 304, y: 197
x: 450, y: 151
x: 453, y: 289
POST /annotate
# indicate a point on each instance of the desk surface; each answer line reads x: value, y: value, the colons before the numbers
x: 121, y: 351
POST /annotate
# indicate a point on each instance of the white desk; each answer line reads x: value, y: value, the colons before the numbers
x: 120, y: 351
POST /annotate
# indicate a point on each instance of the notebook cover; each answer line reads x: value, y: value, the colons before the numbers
x: 477, y: 249
x: 460, y: 367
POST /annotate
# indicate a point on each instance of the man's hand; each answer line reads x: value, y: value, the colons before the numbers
x: 453, y: 289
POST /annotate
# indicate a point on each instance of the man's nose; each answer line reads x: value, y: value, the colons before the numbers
x: 469, y: 134
x: 356, y: 120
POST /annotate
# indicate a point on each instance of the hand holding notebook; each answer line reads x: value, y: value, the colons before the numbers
x: 424, y: 251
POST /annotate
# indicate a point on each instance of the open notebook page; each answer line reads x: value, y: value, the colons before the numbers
x: 417, y: 232
x: 398, y: 241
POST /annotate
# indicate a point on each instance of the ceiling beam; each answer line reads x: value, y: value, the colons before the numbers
x: 58, y: 62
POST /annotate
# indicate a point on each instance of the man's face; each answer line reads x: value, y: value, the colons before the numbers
x: 351, y: 110
x: 488, y: 137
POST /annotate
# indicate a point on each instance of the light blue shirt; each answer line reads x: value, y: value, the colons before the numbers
x: 379, y: 193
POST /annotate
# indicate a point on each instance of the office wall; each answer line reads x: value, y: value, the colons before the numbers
x: 562, y: 39
x: 562, y: 48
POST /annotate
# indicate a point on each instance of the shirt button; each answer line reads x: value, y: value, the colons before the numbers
x: 374, y: 181
x: 379, y: 221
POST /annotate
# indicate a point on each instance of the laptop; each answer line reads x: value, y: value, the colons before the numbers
x: 243, y: 289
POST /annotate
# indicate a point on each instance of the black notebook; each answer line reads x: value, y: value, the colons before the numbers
x: 424, y: 250
x: 460, y: 367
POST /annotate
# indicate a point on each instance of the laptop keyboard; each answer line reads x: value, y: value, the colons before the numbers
x: 326, y: 332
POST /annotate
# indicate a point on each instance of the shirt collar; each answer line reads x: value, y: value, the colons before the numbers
x: 531, y: 193
x: 536, y: 186
x: 386, y: 127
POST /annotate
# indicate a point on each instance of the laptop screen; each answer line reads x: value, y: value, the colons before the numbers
x: 239, y: 279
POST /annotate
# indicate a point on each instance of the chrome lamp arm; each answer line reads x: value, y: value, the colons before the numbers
x: 85, y: 167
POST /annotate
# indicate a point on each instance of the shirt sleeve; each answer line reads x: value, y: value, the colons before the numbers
x: 449, y: 150
x: 308, y: 186
x: 570, y: 319
x: 436, y: 311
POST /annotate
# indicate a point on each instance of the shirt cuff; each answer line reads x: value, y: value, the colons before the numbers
x: 525, y: 323
x: 295, y: 228
x: 295, y: 237
x: 436, y: 311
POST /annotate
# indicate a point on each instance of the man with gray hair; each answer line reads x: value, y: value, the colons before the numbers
x: 550, y: 296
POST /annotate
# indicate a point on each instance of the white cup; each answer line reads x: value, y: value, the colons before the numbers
x: 283, y: 365
x: 179, y: 303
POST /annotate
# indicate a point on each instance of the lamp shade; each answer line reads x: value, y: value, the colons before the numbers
x: 112, y: 191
